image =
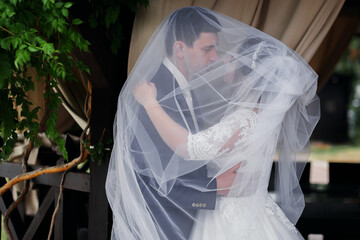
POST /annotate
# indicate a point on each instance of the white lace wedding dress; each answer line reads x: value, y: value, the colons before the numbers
x: 226, y: 221
x: 233, y: 218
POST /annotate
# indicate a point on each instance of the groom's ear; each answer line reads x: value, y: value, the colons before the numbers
x: 179, y: 49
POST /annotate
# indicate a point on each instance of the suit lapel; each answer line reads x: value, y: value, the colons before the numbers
x: 168, y: 84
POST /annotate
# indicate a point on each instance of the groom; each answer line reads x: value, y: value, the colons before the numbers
x: 191, y: 43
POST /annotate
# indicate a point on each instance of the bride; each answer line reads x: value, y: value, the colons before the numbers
x: 255, y: 102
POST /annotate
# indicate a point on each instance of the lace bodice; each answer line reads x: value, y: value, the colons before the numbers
x: 208, y: 144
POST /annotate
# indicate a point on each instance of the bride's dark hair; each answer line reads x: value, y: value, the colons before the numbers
x: 186, y: 25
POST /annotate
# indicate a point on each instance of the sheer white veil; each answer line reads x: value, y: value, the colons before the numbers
x: 149, y: 186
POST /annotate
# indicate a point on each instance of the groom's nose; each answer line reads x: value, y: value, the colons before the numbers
x: 214, y: 55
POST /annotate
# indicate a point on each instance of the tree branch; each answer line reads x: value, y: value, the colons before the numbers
x: 57, y: 205
x: 42, y: 171
x: 12, y: 208
x: 22, y: 194
x: 7, y: 31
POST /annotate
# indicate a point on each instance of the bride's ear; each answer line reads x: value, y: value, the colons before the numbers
x: 179, y: 49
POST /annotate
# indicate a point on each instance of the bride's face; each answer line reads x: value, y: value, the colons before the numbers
x: 229, y: 68
x: 234, y: 70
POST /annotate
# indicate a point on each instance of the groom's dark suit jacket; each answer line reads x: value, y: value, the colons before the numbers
x: 186, y: 198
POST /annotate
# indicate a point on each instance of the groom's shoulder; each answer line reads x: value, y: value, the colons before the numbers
x: 162, y: 75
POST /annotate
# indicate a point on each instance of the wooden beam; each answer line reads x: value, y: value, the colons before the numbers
x: 44, y: 207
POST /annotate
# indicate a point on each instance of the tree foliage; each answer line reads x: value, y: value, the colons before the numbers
x: 40, y: 36
x: 37, y: 36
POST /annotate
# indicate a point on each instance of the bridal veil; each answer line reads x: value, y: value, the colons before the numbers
x: 251, y: 71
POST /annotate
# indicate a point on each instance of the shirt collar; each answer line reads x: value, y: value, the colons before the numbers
x: 181, y: 80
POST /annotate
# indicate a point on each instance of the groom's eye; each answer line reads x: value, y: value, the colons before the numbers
x: 208, y: 49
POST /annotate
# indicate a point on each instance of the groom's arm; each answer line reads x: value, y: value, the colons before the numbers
x: 186, y: 193
x: 194, y: 192
x: 190, y: 191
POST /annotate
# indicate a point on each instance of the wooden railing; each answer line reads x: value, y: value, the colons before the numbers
x: 79, y: 188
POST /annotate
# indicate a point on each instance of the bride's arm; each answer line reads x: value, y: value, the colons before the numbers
x: 174, y: 135
x: 205, y: 145
x: 237, y: 136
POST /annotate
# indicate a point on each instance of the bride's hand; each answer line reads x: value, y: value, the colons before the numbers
x: 145, y: 93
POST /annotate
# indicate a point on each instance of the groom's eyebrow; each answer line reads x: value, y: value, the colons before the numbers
x: 209, y: 47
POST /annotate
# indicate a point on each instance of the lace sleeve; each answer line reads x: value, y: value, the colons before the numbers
x: 206, y: 144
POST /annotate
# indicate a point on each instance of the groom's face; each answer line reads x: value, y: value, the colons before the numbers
x: 202, y: 53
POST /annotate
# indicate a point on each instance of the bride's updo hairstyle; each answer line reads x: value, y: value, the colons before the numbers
x: 248, y: 47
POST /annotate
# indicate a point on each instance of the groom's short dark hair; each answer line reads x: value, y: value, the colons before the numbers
x: 186, y: 25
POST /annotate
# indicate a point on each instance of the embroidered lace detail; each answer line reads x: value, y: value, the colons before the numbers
x: 272, y: 208
x: 233, y: 209
x: 206, y: 145
x: 233, y: 212
x: 230, y: 211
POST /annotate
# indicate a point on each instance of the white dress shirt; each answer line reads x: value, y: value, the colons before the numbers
x: 184, y: 86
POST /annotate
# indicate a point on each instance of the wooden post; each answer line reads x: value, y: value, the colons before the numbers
x: 99, y: 211
x: 99, y: 227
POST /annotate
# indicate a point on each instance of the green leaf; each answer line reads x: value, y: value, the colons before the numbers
x: 13, y: 2
x: 77, y: 21
x: 65, y: 12
x: 5, y: 69
x: 112, y: 14
x: 60, y: 142
x: 73, y: 35
x: 68, y: 4
x: 61, y: 25
x: 26, y: 56
x: 33, y: 49
x: 54, y: 24
x: 87, y: 70
x: 17, y: 62
x: 16, y: 42
x: 59, y: 4
x: 9, y: 12
x: 5, y: 43
x: 22, y: 46
x: 48, y: 48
